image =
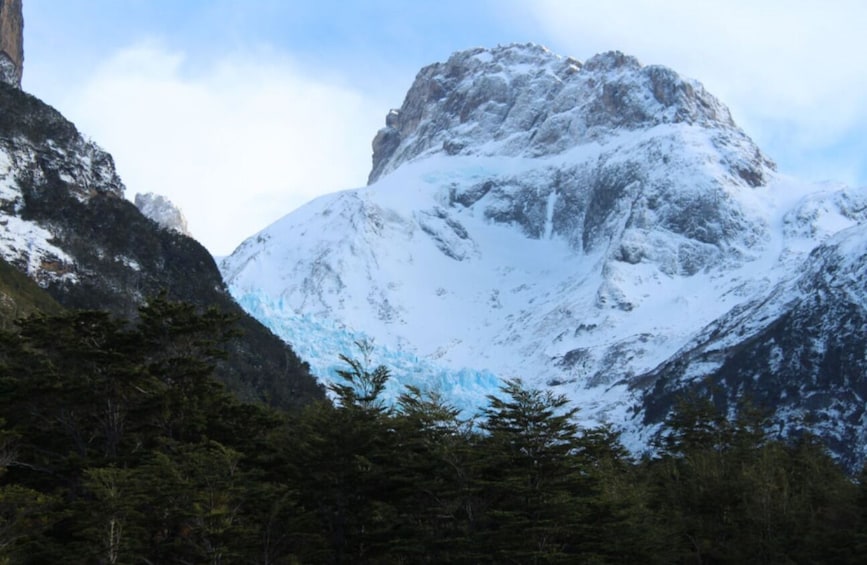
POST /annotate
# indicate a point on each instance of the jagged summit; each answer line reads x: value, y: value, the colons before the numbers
x: 525, y: 100
x: 543, y: 200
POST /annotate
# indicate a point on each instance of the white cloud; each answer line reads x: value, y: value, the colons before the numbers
x: 792, y: 71
x: 236, y: 144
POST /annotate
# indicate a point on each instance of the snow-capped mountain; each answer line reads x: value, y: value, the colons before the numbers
x: 603, y: 228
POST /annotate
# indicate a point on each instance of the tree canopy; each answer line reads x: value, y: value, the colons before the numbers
x: 118, y: 446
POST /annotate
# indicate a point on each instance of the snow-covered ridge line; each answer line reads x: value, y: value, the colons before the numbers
x: 40, y: 149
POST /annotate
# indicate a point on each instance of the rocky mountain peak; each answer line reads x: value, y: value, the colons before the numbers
x: 603, y: 229
x: 163, y: 211
x: 11, y: 42
x: 525, y: 100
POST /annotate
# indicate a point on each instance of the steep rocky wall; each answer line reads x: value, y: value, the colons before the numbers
x: 11, y: 42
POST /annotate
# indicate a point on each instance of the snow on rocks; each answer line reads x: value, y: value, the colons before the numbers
x: 579, y: 226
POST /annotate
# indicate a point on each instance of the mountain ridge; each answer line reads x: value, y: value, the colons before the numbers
x: 578, y: 227
x: 69, y: 228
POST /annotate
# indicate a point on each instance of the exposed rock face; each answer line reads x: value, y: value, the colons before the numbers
x: 39, y: 147
x: 161, y: 210
x: 11, y: 42
x: 524, y: 100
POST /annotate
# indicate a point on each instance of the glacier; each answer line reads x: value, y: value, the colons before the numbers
x: 579, y: 226
x: 323, y: 342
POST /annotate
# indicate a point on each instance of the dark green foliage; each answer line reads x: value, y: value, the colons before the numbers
x: 342, y: 463
x: 105, y: 233
x: 25, y: 115
x: 126, y: 426
x: 435, y: 481
x: 730, y: 494
x: 362, y: 386
x: 532, y: 476
x: 118, y: 446
x: 21, y: 297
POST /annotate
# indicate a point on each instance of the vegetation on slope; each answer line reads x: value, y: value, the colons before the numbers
x: 21, y: 297
x: 118, y: 446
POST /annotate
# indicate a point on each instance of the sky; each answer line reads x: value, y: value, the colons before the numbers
x: 240, y: 111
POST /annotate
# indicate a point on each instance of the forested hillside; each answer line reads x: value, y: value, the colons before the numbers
x: 20, y: 296
x: 118, y: 446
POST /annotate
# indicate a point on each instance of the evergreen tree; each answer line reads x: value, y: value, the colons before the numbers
x: 735, y: 496
x: 119, y: 447
x: 341, y: 467
x: 182, y: 346
x: 24, y: 513
x: 362, y: 386
x: 534, y: 489
x: 433, y: 490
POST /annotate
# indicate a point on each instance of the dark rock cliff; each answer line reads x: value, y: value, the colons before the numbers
x: 11, y: 42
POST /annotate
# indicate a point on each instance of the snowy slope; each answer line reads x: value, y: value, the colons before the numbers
x: 574, y: 225
x: 799, y: 348
x: 71, y: 159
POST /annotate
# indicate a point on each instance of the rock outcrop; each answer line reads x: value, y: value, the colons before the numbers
x: 163, y: 211
x: 11, y: 42
x: 523, y: 100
